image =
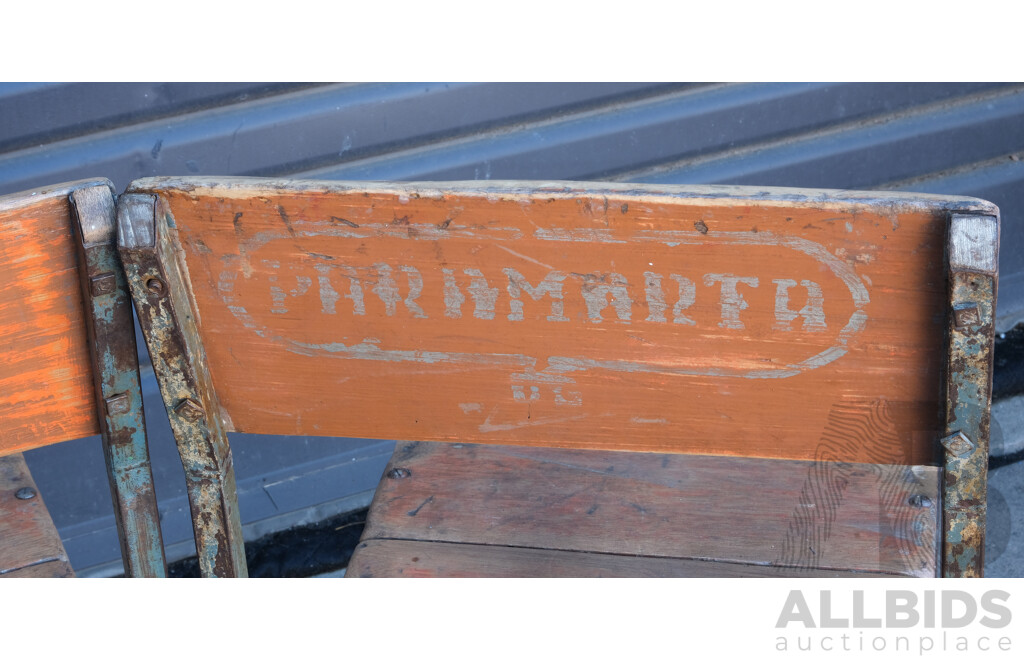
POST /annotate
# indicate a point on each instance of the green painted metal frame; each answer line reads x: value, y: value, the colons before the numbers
x: 116, y: 377
x: 973, y: 255
x: 168, y: 325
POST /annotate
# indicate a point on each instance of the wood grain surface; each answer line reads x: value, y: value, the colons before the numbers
x: 29, y: 543
x: 46, y: 385
x: 397, y: 558
x: 802, y: 515
x: 706, y: 320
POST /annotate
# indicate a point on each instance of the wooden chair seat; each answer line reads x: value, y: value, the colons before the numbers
x: 461, y: 510
x: 29, y: 543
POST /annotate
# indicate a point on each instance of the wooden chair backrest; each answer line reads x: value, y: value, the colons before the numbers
x: 672, y: 319
x: 45, y: 368
x: 68, y: 362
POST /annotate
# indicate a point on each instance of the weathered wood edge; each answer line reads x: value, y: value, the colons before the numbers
x: 20, y: 200
x: 168, y: 324
x: 391, y: 558
x: 52, y: 568
x: 115, y: 368
x: 973, y: 258
x: 895, y: 202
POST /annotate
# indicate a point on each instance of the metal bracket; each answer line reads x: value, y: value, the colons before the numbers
x: 116, y: 375
x: 973, y: 263
x: 168, y: 324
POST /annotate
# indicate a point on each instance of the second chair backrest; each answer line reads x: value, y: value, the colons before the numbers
x: 69, y: 367
x: 698, y: 320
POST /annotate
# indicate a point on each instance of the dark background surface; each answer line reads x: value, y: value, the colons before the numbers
x: 965, y: 139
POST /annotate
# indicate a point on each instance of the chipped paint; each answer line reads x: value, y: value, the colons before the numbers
x: 116, y: 374
x: 973, y: 248
x: 642, y: 196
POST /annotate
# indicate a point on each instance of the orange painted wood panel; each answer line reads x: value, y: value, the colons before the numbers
x: 383, y: 558
x: 46, y: 387
x: 813, y: 515
x: 691, y: 320
x: 29, y: 543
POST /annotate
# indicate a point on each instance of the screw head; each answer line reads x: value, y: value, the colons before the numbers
x: 155, y: 286
x: 921, y: 502
x: 399, y: 473
x: 190, y: 410
x: 25, y: 493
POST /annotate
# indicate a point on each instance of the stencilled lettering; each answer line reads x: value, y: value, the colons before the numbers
x: 551, y: 285
x: 732, y: 301
x: 813, y: 312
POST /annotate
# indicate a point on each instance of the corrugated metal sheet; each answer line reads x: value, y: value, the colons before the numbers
x: 950, y: 138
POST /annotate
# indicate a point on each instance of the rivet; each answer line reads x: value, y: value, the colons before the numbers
x: 103, y: 284
x: 190, y: 410
x: 399, y: 473
x: 25, y: 493
x: 155, y: 286
x: 921, y: 502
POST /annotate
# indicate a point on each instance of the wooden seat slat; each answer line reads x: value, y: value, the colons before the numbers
x: 29, y: 543
x: 400, y: 558
x: 801, y: 514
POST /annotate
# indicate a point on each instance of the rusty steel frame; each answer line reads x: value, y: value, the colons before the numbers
x: 973, y: 256
x: 116, y: 379
x: 168, y: 325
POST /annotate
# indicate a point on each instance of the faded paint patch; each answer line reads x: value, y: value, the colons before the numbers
x: 645, y: 420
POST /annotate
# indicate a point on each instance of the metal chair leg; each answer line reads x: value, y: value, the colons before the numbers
x: 179, y: 362
x: 118, y: 389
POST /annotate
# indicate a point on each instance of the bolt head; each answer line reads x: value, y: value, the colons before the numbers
x: 189, y: 410
x: 117, y: 404
x: 25, y: 493
x: 958, y: 444
x: 102, y: 285
x: 967, y: 315
x: 155, y: 286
